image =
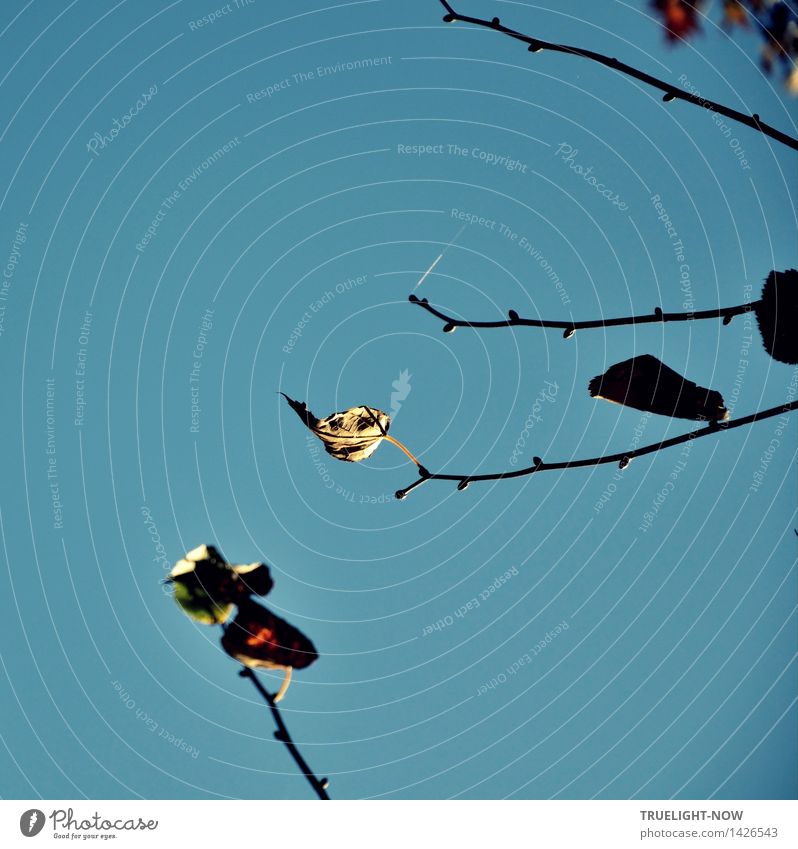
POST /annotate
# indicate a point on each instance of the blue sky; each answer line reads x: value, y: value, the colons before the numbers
x: 261, y: 204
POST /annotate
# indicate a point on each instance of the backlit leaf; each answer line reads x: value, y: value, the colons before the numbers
x: 207, y: 588
x: 352, y: 435
x: 258, y: 638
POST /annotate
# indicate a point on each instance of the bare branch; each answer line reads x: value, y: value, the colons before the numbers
x: 319, y: 785
x: 623, y: 459
x: 570, y: 327
x: 670, y: 91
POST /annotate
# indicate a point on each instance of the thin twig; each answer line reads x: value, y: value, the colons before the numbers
x: 318, y: 785
x: 671, y: 92
x: 570, y: 327
x: 623, y: 459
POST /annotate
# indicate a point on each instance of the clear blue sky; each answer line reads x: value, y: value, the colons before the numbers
x: 247, y: 183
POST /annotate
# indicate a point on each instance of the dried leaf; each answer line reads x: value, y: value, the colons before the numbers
x: 352, y: 435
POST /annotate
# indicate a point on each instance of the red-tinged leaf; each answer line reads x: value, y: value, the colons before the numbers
x: 258, y: 638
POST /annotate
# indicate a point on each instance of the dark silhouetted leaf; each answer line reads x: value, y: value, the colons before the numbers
x: 647, y: 384
x: 254, y: 578
x: 207, y: 587
x: 776, y: 315
x: 258, y: 638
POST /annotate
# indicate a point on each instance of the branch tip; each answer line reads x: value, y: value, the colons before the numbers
x: 622, y: 459
x: 570, y: 326
x: 670, y: 93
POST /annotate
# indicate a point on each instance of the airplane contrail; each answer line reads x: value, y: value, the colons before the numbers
x: 439, y: 257
x: 424, y: 275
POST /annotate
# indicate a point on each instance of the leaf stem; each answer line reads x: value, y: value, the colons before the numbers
x: 280, y: 694
x: 396, y: 442
x: 399, y: 445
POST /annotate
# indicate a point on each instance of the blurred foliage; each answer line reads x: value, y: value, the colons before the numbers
x: 775, y: 22
x: 207, y: 587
